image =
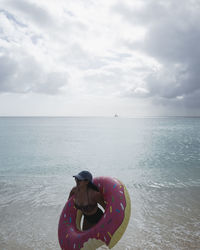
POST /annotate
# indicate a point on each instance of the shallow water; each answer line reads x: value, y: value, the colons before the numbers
x: 158, y: 159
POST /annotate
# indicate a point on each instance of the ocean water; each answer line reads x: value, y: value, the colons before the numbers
x: 158, y: 159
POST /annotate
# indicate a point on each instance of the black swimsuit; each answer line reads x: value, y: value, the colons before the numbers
x: 85, y: 208
x: 93, y: 218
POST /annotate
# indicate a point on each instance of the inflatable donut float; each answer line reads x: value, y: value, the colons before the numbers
x: 108, y: 230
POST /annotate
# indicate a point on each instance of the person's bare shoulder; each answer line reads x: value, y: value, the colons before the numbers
x: 72, y: 192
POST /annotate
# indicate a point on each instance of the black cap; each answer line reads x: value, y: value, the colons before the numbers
x: 84, y: 175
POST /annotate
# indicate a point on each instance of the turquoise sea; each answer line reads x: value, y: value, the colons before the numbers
x: 158, y: 159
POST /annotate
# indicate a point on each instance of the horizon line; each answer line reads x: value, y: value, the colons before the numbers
x: 100, y: 116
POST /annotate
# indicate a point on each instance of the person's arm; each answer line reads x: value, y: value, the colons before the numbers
x: 100, y: 200
x: 72, y: 192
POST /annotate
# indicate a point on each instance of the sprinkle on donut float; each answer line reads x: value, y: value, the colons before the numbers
x: 108, y: 230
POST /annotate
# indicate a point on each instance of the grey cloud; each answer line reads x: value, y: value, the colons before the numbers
x: 172, y: 38
x: 144, y: 17
x: 12, y: 17
x: 121, y: 75
x: 36, y: 38
x: 192, y: 101
x: 26, y: 75
x: 77, y: 56
x: 7, y: 68
x: 33, y: 12
x: 123, y: 81
x: 136, y: 92
x: 104, y: 81
x: 51, y: 83
x: 104, y: 78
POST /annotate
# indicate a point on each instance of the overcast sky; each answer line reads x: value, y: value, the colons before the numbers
x: 99, y: 57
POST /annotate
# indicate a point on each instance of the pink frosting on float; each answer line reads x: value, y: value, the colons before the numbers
x: 72, y: 238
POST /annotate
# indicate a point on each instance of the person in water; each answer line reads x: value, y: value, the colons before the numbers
x: 87, y: 197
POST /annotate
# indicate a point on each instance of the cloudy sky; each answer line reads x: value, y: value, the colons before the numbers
x: 99, y: 57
